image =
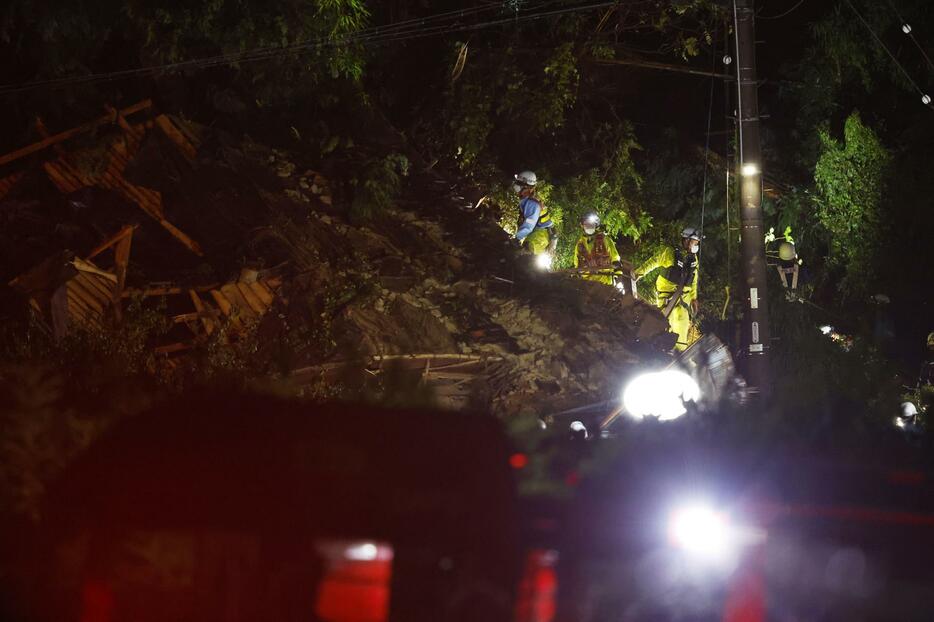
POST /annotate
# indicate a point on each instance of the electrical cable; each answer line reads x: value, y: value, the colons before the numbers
x: 906, y: 28
x: 713, y: 67
x: 924, y: 96
x: 232, y: 57
x: 781, y: 15
x: 384, y: 35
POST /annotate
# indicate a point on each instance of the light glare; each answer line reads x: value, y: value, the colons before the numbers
x: 660, y: 394
x: 749, y: 169
x: 700, y: 530
x: 543, y: 261
x: 363, y: 552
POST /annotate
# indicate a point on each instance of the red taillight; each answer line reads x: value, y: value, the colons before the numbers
x: 538, y: 587
x: 357, y: 585
x: 518, y: 461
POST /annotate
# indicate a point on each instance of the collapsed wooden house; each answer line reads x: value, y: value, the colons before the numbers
x: 68, y: 291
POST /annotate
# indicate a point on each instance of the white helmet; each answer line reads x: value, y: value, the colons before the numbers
x: 786, y: 251
x: 590, y: 218
x: 690, y: 232
x: 527, y: 178
x: 909, y: 410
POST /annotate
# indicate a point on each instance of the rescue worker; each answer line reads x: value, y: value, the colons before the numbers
x: 536, y: 229
x: 676, y: 284
x: 595, y: 252
x: 789, y: 267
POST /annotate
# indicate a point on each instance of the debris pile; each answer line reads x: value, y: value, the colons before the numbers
x: 427, y: 291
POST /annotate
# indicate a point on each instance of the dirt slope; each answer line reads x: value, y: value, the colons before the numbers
x: 425, y: 301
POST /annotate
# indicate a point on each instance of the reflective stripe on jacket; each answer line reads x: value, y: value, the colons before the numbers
x: 667, y: 258
x: 595, y: 251
x: 534, y: 216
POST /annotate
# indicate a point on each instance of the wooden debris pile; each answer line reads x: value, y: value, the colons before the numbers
x: 452, y: 380
x: 68, y: 291
x: 428, y: 301
x: 64, y: 170
x: 238, y: 305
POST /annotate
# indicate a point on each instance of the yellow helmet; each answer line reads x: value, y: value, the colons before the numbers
x: 786, y: 250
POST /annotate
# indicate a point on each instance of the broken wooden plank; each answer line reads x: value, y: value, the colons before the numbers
x: 103, y: 288
x: 172, y: 347
x: 166, y: 290
x: 194, y: 316
x: 62, y: 180
x: 122, y: 122
x: 176, y: 136
x: 63, y: 136
x: 227, y: 309
x: 87, y: 296
x: 199, y: 306
x: 87, y: 266
x: 77, y: 308
x: 255, y: 303
x: 107, y: 243
x: 232, y: 293
x: 263, y: 293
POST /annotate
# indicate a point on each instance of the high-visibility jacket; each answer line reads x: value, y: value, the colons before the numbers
x: 679, y: 266
x: 596, y: 252
x: 534, y: 216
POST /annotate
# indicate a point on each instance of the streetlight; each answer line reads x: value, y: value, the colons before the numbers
x: 749, y: 169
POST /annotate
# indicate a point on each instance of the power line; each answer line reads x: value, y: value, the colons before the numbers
x: 925, y: 98
x: 404, y: 31
x: 703, y: 212
x: 906, y: 28
x: 233, y: 57
x: 781, y: 15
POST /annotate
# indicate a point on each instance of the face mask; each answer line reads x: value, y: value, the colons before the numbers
x: 516, y: 188
x: 695, y: 248
x: 589, y: 230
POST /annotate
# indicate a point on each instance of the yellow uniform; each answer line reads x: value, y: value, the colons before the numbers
x: 677, y: 265
x: 596, y: 252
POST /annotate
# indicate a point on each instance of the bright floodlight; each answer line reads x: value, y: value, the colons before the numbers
x: 660, y: 394
x: 826, y: 329
x: 700, y: 530
x: 749, y: 169
x: 543, y: 261
x: 364, y: 551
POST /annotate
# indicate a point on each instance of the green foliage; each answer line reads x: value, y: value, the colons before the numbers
x: 172, y: 31
x: 612, y: 191
x: 469, y: 123
x: 851, y: 178
x: 558, y: 88
x: 89, y: 355
x: 853, y: 387
x: 378, y: 184
x: 88, y: 37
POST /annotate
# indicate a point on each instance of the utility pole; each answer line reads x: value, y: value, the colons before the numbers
x: 756, y: 342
